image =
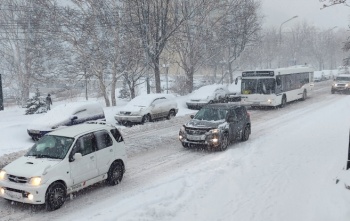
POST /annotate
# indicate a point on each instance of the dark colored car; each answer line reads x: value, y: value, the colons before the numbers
x: 215, y: 126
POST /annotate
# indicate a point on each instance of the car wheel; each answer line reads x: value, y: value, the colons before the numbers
x: 185, y: 145
x: 171, y: 114
x: 115, y: 173
x: 283, y: 101
x: 304, y: 95
x: 146, y: 118
x: 332, y: 91
x: 224, y: 142
x: 246, y: 133
x: 55, y: 196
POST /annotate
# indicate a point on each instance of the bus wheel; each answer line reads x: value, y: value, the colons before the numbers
x: 304, y: 95
x: 283, y: 101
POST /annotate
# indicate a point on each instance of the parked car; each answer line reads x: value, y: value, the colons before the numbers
x: 146, y: 108
x: 65, y: 161
x: 206, y: 95
x: 65, y: 115
x: 341, y: 84
x: 215, y: 126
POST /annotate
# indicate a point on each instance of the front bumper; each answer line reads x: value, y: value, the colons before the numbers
x: 341, y: 89
x: 19, y: 192
x: 128, y: 118
x: 211, y: 140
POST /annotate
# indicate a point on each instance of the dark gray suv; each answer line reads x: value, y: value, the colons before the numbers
x: 215, y: 126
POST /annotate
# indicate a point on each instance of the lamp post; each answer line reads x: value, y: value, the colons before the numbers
x: 280, y: 38
x: 283, y: 24
x: 166, y: 66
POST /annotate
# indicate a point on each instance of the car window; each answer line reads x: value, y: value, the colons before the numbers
x: 103, y: 139
x: 85, y: 144
x: 117, y: 136
x: 159, y: 100
x: 239, y: 113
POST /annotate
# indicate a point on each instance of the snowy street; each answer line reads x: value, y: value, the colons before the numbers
x: 285, y: 171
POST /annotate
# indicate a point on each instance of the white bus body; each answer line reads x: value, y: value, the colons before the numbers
x: 276, y: 87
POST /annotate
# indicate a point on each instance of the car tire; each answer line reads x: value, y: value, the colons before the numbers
x: 283, y: 101
x: 171, y: 114
x: 224, y: 142
x: 55, y: 196
x: 185, y: 145
x: 115, y: 173
x: 332, y: 91
x: 246, y: 133
x: 146, y: 119
x: 304, y: 95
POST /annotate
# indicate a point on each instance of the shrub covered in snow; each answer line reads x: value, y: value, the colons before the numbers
x: 36, y: 104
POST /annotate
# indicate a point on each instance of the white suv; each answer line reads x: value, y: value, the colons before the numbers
x: 65, y: 161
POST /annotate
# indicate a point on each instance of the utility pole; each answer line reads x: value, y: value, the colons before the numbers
x: 1, y: 96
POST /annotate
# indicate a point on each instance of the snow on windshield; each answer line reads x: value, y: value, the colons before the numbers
x: 205, y: 91
x: 211, y: 114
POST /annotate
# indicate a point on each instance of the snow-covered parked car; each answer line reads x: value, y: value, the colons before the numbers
x: 215, y: 126
x: 146, y: 108
x: 65, y: 161
x: 208, y: 94
x: 65, y: 115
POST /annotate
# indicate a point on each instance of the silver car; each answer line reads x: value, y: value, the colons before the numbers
x: 146, y: 108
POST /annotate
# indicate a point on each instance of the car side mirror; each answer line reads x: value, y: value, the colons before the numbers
x: 191, y: 116
x: 230, y: 119
x: 77, y: 156
x: 73, y: 118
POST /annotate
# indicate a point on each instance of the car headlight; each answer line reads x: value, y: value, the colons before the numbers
x: 2, y: 175
x: 214, y: 131
x: 35, y: 181
x: 346, y: 85
x: 182, y: 129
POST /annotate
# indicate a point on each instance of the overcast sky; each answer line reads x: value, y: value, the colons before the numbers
x: 278, y: 11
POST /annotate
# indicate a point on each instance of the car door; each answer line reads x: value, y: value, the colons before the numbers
x: 240, y: 119
x: 157, y: 107
x: 233, y: 125
x: 105, y: 153
x: 85, y: 168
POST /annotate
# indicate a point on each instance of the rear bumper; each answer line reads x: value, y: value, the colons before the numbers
x: 123, y: 118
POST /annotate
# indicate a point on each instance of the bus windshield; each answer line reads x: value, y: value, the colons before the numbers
x: 258, y: 86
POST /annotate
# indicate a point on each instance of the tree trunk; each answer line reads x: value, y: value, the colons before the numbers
x: 157, y: 74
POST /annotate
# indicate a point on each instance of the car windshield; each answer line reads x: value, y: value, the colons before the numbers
x: 211, y: 114
x: 140, y: 101
x: 55, y: 147
x: 258, y: 86
x: 343, y: 79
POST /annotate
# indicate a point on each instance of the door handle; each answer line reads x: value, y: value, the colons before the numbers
x: 92, y: 157
x: 111, y: 150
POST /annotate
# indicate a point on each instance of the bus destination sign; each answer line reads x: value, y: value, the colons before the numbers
x: 257, y: 74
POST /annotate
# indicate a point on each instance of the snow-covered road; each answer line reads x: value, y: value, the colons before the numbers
x: 285, y: 171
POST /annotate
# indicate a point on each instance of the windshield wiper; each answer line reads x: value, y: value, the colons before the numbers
x: 46, y: 156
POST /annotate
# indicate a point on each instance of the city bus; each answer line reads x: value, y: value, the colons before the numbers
x: 276, y: 87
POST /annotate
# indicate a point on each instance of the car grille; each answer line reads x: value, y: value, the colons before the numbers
x: 17, y: 179
x: 125, y: 112
x: 196, y: 131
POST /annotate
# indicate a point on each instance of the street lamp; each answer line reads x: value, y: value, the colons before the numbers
x: 283, y: 24
x: 166, y: 66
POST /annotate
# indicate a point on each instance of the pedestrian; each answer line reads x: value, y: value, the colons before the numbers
x: 48, y: 101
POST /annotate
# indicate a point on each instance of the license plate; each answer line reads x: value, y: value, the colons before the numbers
x: 256, y: 102
x: 192, y: 137
x: 14, y: 195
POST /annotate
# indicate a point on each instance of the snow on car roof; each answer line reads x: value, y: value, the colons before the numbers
x: 63, y: 113
x: 207, y: 90
x: 146, y: 99
x: 78, y: 129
